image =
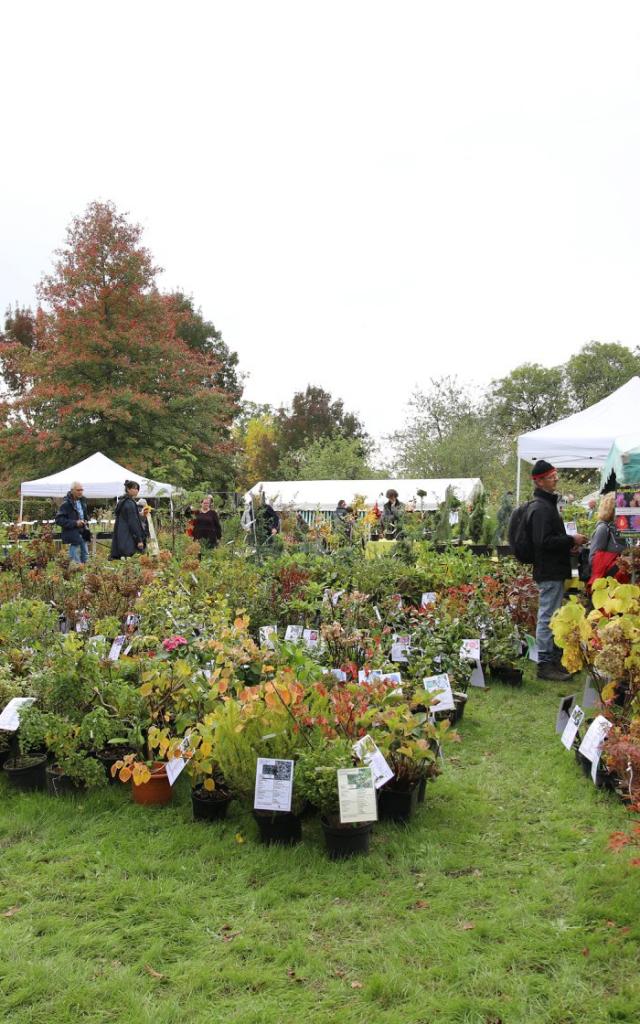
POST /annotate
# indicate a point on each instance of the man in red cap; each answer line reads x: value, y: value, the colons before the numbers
x: 552, y: 550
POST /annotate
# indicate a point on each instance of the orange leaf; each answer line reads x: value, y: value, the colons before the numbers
x: 154, y: 974
x: 421, y: 905
x: 11, y: 911
x: 125, y: 774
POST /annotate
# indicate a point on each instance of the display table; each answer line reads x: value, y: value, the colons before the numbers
x: 379, y: 548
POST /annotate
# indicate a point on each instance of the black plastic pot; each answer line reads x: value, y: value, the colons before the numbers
x: 27, y: 773
x: 422, y: 789
x: 59, y: 784
x: 397, y: 804
x: 5, y: 754
x: 507, y: 674
x: 278, y: 827
x: 208, y: 808
x: 344, y: 841
x: 460, y: 701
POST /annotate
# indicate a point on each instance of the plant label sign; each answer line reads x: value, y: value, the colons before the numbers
x: 293, y: 634
x: 132, y: 621
x: 428, y: 598
x: 594, y: 737
x: 82, y: 623
x: 274, y: 784
x: 357, y: 795
x: 337, y: 673
x: 311, y: 638
x: 564, y: 712
x: 477, y: 676
x: 532, y: 647
x: 570, y: 731
x: 571, y: 528
x: 177, y: 764
x: 470, y: 650
x: 336, y: 597
x: 400, y: 647
x: 116, y: 648
x: 376, y: 675
x: 366, y: 750
x: 377, y: 613
x: 266, y: 635
x: 590, y: 697
x: 10, y: 717
x: 439, y: 689
x: 453, y: 518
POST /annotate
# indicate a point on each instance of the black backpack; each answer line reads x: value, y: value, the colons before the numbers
x: 519, y: 533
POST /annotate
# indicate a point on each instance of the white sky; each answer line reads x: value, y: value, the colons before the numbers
x: 359, y: 195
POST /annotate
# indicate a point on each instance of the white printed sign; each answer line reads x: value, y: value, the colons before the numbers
x: 132, y: 621
x: 294, y: 633
x: 470, y: 650
x: 177, y: 764
x: 570, y: 730
x: 274, y: 784
x: 377, y: 613
x: 594, y: 737
x: 453, y: 518
x: 439, y: 687
x: 266, y: 635
x: 366, y: 750
x: 10, y: 717
x: 116, y: 648
x: 571, y: 528
x: 428, y: 598
x: 376, y: 675
x: 337, y: 674
x: 311, y: 637
x: 357, y: 795
x: 400, y: 647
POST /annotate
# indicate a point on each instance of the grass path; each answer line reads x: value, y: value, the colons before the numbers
x: 500, y: 905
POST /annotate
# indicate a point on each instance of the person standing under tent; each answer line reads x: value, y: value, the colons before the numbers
x: 552, y: 550
x: 392, y: 513
x: 206, y: 525
x: 128, y: 533
x: 73, y: 517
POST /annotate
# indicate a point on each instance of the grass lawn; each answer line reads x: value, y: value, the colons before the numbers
x: 501, y: 903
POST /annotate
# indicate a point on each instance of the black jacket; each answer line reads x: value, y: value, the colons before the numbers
x: 67, y: 517
x: 551, y: 542
x: 127, y: 530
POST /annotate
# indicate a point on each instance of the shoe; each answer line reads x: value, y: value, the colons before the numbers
x: 555, y: 673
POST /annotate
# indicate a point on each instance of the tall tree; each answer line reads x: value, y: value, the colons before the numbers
x: 528, y: 398
x: 17, y: 339
x: 598, y: 369
x: 201, y: 336
x: 327, y: 458
x: 314, y: 414
x: 108, y: 369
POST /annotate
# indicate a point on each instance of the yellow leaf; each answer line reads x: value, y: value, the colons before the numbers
x: 125, y: 774
x: 209, y: 785
x: 239, y: 837
x: 206, y: 748
x: 146, y: 689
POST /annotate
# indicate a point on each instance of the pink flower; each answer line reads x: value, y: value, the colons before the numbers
x: 172, y: 642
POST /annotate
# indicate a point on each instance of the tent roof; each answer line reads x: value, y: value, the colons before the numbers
x: 623, y: 460
x: 101, y: 478
x: 583, y: 440
x: 325, y: 494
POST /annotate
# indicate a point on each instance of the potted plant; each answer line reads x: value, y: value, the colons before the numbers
x: 408, y: 741
x: 150, y: 780
x: 316, y: 780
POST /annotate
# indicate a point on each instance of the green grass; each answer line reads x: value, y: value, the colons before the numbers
x: 511, y: 841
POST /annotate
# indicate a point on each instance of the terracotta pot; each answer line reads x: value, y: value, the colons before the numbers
x: 156, y: 791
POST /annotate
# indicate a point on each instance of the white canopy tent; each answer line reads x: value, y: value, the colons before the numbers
x: 100, y: 476
x: 324, y: 495
x: 584, y: 440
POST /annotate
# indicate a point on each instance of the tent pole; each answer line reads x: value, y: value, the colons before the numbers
x: 173, y: 525
x: 518, y: 484
x: 21, y: 506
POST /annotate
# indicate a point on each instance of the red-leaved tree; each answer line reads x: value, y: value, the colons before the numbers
x: 108, y: 368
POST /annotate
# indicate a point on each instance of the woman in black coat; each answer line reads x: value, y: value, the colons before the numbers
x: 128, y: 533
x: 206, y: 525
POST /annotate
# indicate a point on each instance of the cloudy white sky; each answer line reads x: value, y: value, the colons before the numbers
x: 361, y: 195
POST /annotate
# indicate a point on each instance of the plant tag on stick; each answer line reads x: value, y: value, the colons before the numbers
x: 293, y: 633
x: 311, y: 638
x: 439, y: 689
x: 366, y: 750
x: 116, y: 648
x: 477, y: 676
x: 428, y: 598
x: 337, y: 673
x: 174, y: 767
x: 571, y: 528
x: 357, y: 795
x: 564, y: 711
x: 470, y: 650
x: 590, y: 697
x: 400, y: 647
x: 570, y: 730
x: 267, y: 635
x: 10, y: 717
x: 532, y: 647
x: 274, y: 784
x: 594, y: 737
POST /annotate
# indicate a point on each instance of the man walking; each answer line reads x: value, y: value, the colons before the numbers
x: 552, y: 548
x: 73, y: 518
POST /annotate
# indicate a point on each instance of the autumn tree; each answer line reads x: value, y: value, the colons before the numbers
x: 313, y: 414
x: 16, y: 341
x: 109, y: 369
